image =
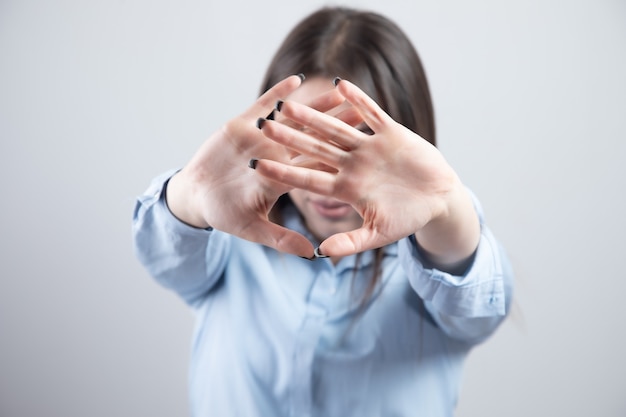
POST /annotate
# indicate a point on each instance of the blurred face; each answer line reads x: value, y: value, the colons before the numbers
x: 324, y: 216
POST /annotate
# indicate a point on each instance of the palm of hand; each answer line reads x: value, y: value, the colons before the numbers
x: 395, y: 180
x: 226, y: 195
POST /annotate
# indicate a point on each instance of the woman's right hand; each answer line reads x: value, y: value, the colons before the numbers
x: 217, y: 189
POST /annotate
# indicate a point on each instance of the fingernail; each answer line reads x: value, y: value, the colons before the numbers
x: 252, y: 163
x: 271, y: 115
x: 336, y: 81
x: 260, y: 122
x: 318, y: 253
x: 279, y: 105
x: 302, y: 77
x: 308, y: 259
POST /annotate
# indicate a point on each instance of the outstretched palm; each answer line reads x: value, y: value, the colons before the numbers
x: 394, y: 179
x: 216, y: 188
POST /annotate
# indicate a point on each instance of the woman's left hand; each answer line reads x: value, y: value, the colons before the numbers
x: 398, y: 182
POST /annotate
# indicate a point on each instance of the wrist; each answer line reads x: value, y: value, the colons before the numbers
x: 179, y: 202
x: 452, y: 238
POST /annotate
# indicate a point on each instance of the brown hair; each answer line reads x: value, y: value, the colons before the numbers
x: 369, y: 50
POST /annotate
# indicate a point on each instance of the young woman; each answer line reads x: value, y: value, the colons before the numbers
x: 396, y: 276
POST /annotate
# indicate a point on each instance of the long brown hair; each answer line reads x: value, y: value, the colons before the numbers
x: 369, y: 50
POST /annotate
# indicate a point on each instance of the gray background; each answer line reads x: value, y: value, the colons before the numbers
x: 96, y: 97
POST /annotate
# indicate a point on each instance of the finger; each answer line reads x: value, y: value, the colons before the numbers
x: 328, y: 127
x: 314, y: 180
x: 354, y: 241
x: 352, y: 117
x: 322, y: 103
x: 280, y: 90
x: 304, y: 143
x: 278, y: 237
x: 304, y: 161
x: 371, y: 112
x: 327, y: 101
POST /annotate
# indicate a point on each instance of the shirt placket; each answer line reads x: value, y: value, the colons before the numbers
x: 318, y: 307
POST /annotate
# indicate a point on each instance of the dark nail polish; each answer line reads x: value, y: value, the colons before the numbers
x: 336, y: 81
x: 279, y: 105
x: 271, y: 115
x: 252, y: 163
x: 260, y: 122
x: 319, y: 254
x: 302, y: 77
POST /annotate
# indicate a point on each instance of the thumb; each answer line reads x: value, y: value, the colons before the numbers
x: 280, y: 238
x: 349, y: 243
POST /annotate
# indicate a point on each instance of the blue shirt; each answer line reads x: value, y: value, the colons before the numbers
x: 277, y: 335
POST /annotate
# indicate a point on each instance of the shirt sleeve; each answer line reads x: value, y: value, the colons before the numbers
x: 180, y: 257
x: 467, y: 307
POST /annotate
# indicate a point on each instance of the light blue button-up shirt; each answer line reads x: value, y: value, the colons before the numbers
x: 277, y: 335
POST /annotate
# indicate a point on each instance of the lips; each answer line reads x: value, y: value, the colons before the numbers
x: 331, y: 209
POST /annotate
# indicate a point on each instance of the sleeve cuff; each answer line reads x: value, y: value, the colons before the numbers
x: 154, y: 198
x: 478, y: 293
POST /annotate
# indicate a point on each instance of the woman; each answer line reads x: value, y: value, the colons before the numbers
x: 409, y: 279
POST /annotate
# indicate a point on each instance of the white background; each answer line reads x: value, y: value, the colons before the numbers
x: 97, y: 97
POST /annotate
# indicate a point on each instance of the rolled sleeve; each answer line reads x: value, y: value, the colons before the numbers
x: 479, y: 292
x: 468, y: 306
x: 180, y: 257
